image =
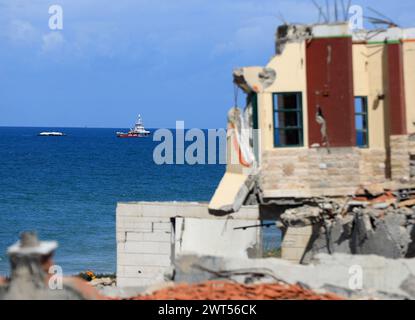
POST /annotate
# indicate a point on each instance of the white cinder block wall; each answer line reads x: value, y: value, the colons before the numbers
x: 143, y: 249
x: 147, y: 241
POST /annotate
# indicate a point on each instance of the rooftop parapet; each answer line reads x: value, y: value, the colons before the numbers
x: 300, y: 32
x: 384, y: 35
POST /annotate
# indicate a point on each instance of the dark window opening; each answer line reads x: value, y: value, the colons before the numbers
x: 288, y: 119
x: 361, y: 122
x: 254, y: 100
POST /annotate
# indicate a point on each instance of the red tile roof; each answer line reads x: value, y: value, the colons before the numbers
x: 226, y: 290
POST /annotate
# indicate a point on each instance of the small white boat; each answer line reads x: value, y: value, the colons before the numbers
x: 51, y: 134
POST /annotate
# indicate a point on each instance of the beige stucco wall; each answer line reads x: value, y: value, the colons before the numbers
x: 265, y: 118
x: 374, y: 56
x: 409, y: 74
x: 360, y: 70
x: 290, y: 67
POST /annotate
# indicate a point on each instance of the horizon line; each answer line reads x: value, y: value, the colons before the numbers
x: 86, y: 127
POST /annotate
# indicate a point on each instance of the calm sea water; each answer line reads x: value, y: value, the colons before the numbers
x: 67, y: 188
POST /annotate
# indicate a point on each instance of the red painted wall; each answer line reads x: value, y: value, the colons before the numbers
x: 330, y: 85
x: 396, y: 90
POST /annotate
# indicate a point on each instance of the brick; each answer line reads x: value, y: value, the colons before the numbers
x: 134, y: 219
x: 345, y: 169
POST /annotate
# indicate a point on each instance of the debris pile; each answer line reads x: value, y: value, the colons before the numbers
x: 374, y: 277
x: 374, y: 221
x: 98, y: 280
x: 226, y: 290
x: 103, y: 282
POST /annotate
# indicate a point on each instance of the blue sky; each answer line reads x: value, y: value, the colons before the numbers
x: 166, y: 59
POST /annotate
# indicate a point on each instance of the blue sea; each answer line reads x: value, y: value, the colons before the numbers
x: 67, y: 188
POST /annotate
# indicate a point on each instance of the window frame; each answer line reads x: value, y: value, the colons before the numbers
x: 365, y: 115
x: 298, y: 110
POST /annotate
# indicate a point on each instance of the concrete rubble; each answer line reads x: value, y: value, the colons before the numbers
x: 326, y: 277
x: 103, y: 282
x: 375, y: 221
x: 381, y: 278
x: 360, y: 247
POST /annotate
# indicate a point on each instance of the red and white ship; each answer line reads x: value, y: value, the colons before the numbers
x: 137, y: 132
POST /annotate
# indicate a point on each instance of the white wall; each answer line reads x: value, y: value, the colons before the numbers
x: 147, y: 234
x: 218, y: 238
x: 143, y: 250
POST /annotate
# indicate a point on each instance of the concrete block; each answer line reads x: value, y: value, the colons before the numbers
x: 135, y: 219
x: 158, y: 236
x: 292, y: 254
x: 147, y: 247
x: 135, y: 226
x: 143, y: 272
x: 162, y: 226
x: 295, y: 242
x: 124, y: 282
x: 121, y: 236
x: 144, y: 209
x: 166, y: 210
x: 136, y: 259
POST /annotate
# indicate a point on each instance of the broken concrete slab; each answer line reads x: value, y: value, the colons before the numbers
x: 408, y: 286
x: 375, y: 189
x: 363, y: 234
x: 376, y: 226
x: 231, y: 193
x: 350, y: 275
x: 301, y: 216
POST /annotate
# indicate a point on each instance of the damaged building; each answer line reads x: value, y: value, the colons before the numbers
x: 333, y: 110
x: 324, y: 147
x: 331, y: 115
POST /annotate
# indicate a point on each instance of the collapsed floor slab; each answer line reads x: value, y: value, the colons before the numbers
x: 375, y: 221
x: 352, y: 276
